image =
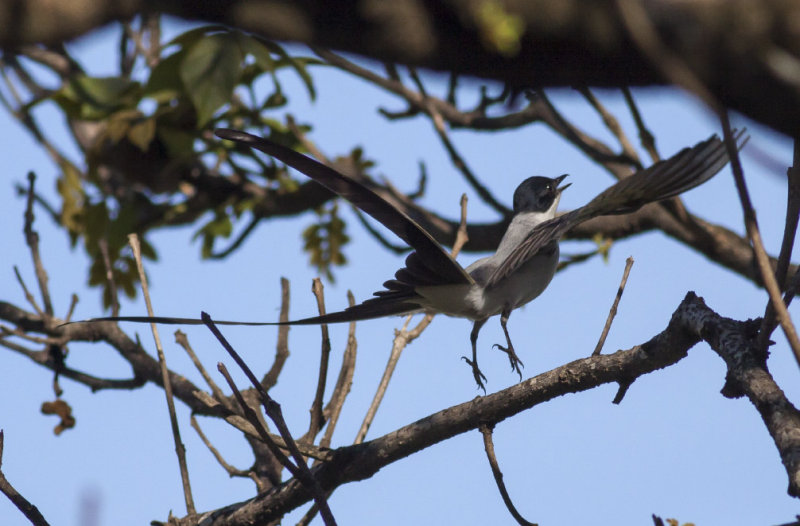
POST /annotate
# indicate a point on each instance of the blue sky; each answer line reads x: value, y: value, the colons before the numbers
x: 674, y: 447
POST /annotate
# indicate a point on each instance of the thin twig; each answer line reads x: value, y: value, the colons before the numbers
x: 613, y: 311
x: 73, y: 302
x: 398, y: 344
x: 460, y: 164
x: 28, y: 296
x: 180, y: 449
x: 452, y: 86
x: 317, y: 418
x: 182, y: 340
x: 309, y: 450
x: 32, y: 239
x: 112, y: 283
x: 488, y: 445
x: 768, y: 324
x: 334, y: 407
x: 240, y: 239
x: 30, y: 511
x: 273, y: 410
x: 92, y: 382
x: 251, y: 416
x: 282, y: 345
x: 751, y: 226
x: 646, y: 138
x: 343, y: 382
x: 232, y: 471
x: 616, y: 164
x: 23, y: 115
x: 612, y: 124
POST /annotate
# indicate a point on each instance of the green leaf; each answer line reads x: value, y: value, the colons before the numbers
x: 324, y: 240
x: 179, y: 142
x: 142, y: 133
x: 260, y: 53
x: 165, y: 82
x: 501, y: 30
x: 210, y: 72
x: 189, y: 38
x: 275, y: 100
x: 72, y: 197
x: 94, y: 98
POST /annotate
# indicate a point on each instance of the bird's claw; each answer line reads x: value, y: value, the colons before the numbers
x: 516, y: 363
x: 476, y: 373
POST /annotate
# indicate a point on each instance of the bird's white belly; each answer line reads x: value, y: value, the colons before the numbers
x: 476, y: 302
x: 522, y: 286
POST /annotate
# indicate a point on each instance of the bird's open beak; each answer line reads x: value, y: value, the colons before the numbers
x: 558, y: 182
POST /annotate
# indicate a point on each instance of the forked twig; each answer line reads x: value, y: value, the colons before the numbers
x: 751, y: 226
x: 282, y: 345
x: 180, y: 449
x: 32, y: 239
x: 789, y: 231
x: 28, y: 296
x: 612, y: 124
x: 646, y: 138
x: 613, y: 311
x: 334, y: 407
x: 273, y: 410
x: 182, y: 340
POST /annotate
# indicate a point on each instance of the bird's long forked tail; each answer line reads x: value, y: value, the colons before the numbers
x: 370, y: 309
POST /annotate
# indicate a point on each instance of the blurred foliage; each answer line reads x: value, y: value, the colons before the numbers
x: 499, y: 29
x: 324, y: 239
x: 151, y: 159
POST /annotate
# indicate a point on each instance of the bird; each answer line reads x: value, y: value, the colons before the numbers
x: 520, y: 269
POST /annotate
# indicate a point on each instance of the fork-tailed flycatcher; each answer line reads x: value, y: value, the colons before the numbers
x: 520, y: 269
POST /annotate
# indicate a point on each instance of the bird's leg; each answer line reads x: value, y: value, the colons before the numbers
x: 473, y: 338
x: 516, y: 363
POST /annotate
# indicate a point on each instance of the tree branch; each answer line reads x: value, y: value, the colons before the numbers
x: 727, y: 45
x: 692, y: 321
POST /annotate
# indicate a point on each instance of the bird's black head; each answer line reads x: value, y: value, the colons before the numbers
x: 538, y: 194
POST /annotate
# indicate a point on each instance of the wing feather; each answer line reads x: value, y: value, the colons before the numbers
x: 430, y: 255
x: 683, y: 171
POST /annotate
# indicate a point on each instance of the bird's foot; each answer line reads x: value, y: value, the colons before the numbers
x: 476, y: 373
x: 516, y: 363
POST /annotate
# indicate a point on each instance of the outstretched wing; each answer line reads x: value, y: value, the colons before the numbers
x: 429, y: 258
x: 683, y: 171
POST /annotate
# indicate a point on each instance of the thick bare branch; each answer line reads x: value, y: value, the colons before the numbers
x: 738, y: 41
x: 691, y: 322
